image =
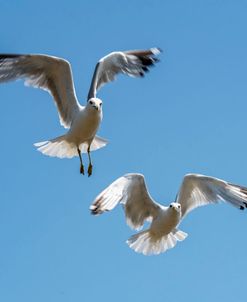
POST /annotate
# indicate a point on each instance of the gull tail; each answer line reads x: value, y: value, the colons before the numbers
x: 57, y: 147
x: 97, y: 143
x: 149, y: 244
x: 60, y: 147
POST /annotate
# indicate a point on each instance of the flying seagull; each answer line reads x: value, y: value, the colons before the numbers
x: 54, y: 75
x: 196, y: 190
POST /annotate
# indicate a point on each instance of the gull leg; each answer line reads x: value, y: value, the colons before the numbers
x: 90, y: 166
x: 81, y: 164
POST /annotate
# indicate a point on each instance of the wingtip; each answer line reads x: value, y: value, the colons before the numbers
x: 243, y: 207
x: 156, y: 50
x: 95, y: 211
x: 95, y: 208
x: 9, y: 56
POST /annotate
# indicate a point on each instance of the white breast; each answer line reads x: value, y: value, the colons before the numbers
x: 165, y: 222
x: 85, y: 126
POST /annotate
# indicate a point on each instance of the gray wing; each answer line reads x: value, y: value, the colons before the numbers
x: 199, y: 190
x: 131, y: 191
x: 49, y: 73
x: 133, y: 63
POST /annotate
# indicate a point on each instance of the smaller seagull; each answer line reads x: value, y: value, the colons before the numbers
x: 54, y: 75
x: 196, y: 190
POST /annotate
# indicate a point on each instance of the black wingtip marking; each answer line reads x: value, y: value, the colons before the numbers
x: 8, y: 56
x: 156, y: 60
x: 147, y: 61
x: 245, y: 203
x: 95, y: 207
x: 95, y: 210
x: 145, y: 69
x: 241, y: 208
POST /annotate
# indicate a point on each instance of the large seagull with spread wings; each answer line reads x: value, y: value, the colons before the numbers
x: 54, y: 75
x: 196, y: 190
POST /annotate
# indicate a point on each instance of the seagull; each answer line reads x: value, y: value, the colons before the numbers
x: 54, y: 75
x: 131, y: 191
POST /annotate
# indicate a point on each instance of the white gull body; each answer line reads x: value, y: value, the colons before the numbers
x: 54, y: 74
x: 196, y: 190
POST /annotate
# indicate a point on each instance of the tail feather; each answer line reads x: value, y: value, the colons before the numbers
x: 57, y: 147
x: 148, y: 244
x: 60, y: 147
x: 179, y: 235
x: 97, y: 143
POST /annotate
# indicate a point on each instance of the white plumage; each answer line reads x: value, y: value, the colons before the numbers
x: 196, y: 190
x: 54, y: 75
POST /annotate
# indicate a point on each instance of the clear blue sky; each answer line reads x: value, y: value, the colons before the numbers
x: 188, y: 115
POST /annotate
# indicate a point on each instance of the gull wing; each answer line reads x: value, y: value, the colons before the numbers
x: 133, y: 63
x: 46, y: 72
x: 131, y: 191
x: 199, y: 190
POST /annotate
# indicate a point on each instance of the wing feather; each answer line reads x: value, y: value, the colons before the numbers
x: 199, y: 190
x: 131, y: 191
x: 46, y: 72
x: 133, y: 63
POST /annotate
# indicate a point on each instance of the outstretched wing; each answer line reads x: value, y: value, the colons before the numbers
x: 131, y: 191
x: 49, y: 73
x: 133, y: 63
x: 198, y: 190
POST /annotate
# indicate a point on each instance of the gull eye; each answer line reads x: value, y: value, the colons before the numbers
x: 91, y: 102
x: 170, y: 206
x: 100, y: 104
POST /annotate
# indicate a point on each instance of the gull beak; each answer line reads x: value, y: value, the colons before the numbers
x: 96, y: 107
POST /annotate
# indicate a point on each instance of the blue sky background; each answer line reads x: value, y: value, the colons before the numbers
x: 187, y: 115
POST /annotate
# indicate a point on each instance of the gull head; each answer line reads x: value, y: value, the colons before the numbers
x: 95, y: 104
x: 175, y: 206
